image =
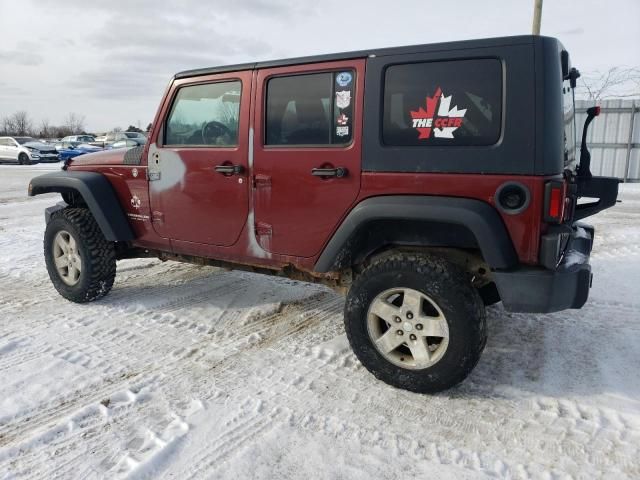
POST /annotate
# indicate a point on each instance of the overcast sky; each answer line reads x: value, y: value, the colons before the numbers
x: 111, y: 61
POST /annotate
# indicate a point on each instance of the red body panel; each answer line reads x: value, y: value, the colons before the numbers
x: 207, y: 214
x: 297, y: 212
x: 128, y: 188
x: 524, y: 228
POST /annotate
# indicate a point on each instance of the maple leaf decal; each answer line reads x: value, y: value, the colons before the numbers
x: 444, y: 123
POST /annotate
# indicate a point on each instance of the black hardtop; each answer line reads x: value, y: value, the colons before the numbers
x: 380, y: 52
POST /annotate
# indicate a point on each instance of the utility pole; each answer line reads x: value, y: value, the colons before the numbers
x: 537, y: 17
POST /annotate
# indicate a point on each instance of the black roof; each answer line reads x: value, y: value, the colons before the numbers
x: 430, y: 47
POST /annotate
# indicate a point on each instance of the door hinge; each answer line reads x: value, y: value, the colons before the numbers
x: 261, y: 181
x: 157, y: 217
x: 263, y: 229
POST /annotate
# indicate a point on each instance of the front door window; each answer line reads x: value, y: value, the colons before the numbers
x: 205, y: 115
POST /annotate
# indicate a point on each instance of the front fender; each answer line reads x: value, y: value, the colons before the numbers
x: 97, y: 193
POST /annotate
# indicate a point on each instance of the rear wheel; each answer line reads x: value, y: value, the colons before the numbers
x: 416, y: 322
x: 80, y: 261
x: 23, y: 159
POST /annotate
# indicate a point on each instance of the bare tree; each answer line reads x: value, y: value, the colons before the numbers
x: 74, y: 123
x: 60, y: 131
x: 617, y: 82
x: 6, y: 126
x: 22, y: 124
x: 45, y: 128
x: 116, y: 129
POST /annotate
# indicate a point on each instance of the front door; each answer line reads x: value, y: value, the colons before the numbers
x: 308, y: 126
x: 198, y: 166
x: 4, y: 142
x: 11, y: 149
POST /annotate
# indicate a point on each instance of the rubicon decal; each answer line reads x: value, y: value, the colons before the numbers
x: 442, y: 124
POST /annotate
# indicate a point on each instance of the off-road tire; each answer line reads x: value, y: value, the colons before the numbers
x: 96, y: 253
x: 23, y: 159
x: 450, y: 288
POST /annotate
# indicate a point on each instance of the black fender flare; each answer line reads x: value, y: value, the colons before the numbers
x: 480, y: 218
x: 97, y: 193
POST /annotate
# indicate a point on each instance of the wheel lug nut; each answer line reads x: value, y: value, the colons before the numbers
x: 400, y: 332
x: 419, y: 326
x: 412, y: 337
x: 397, y: 319
x: 409, y: 315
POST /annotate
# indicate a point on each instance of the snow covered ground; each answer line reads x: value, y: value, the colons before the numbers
x: 195, y: 372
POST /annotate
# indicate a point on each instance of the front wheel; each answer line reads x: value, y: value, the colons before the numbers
x: 80, y: 261
x: 416, y: 322
x: 23, y: 159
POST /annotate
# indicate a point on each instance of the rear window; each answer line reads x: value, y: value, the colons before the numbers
x: 457, y: 103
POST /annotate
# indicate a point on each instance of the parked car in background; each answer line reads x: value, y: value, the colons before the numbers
x: 70, y: 149
x: 111, y: 138
x: 79, y: 138
x: 128, y: 143
x: 26, y: 150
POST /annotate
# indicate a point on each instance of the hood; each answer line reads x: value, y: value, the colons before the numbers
x: 106, y: 157
x: 38, y: 145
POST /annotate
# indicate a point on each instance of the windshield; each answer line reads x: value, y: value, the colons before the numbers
x: 23, y: 140
x: 133, y: 135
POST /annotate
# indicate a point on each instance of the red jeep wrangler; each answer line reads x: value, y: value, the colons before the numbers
x: 428, y: 181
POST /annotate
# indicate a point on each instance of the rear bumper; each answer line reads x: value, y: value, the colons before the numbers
x: 543, y: 290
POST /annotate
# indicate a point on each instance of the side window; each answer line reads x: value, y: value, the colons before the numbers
x: 456, y: 103
x: 205, y: 115
x: 310, y: 109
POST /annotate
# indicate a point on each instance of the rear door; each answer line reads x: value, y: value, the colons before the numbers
x: 308, y: 125
x: 198, y: 165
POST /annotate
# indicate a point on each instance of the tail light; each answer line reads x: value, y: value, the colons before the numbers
x: 554, y: 195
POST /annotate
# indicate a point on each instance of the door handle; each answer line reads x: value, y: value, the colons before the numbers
x: 329, y: 172
x: 229, y: 169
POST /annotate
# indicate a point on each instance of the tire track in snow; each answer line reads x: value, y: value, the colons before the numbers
x: 245, y: 427
x: 33, y: 422
x: 497, y: 425
x: 297, y: 375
